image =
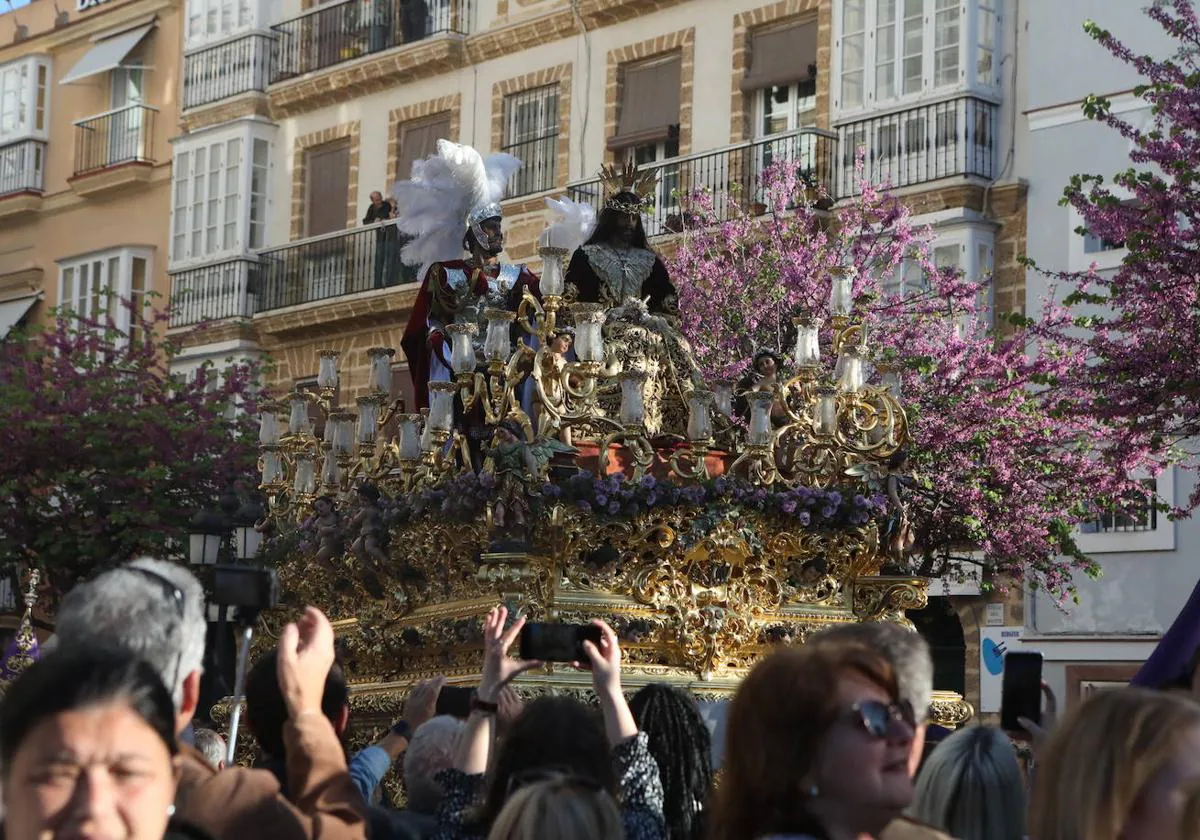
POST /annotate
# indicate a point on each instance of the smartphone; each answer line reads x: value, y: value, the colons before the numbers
x: 1021, y: 692
x: 455, y: 700
x: 557, y: 642
x: 249, y: 587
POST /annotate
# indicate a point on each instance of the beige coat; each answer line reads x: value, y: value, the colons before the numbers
x: 241, y: 803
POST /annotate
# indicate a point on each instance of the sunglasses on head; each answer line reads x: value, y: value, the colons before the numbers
x: 876, y: 718
x: 175, y: 596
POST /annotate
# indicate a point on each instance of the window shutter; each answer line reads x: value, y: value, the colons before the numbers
x: 782, y: 56
x: 649, y: 107
x: 419, y: 141
x: 328, y: 174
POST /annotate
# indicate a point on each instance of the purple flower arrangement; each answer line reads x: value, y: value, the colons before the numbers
x: 464, y: 498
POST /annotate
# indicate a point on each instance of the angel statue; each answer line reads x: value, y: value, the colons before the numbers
x: 452, y: 205
x: 615, y: 266
x: 519, y: 468
x: 898, y: 536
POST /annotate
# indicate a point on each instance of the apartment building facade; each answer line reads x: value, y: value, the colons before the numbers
x: 87, y: 103
x: 308, y: 108
x: 1149, y: 561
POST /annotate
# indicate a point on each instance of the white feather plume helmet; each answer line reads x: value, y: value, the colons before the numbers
x: 443, y: 191
x: 571, y: 224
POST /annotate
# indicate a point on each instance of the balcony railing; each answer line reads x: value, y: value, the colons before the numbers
x: 332, y: 265
x: 228, y: 69
x: 733, y: 175
x: 227, y: 289
x: 22, y: 167
x: 125, y: 135
x: 922, y: 144
x: 337, y: 32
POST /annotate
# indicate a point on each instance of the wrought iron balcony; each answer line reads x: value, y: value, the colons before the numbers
x: 733, y: 175
x: 124, y: 135
x: 229, y: 69
x: 214, y: 292
x: 335, y: 32
x: 329, y: 266
x: 22, y: 167
x: 927, y: 143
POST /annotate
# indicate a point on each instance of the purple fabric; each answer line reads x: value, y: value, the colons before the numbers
x: 1174, y: 652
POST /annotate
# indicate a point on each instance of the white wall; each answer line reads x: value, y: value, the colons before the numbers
x: 1121, y: 615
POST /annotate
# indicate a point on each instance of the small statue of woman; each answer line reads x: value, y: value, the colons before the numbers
x: 551, y: 392
x: 762, y: 375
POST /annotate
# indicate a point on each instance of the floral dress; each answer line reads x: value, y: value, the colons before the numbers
x: 639, y: 789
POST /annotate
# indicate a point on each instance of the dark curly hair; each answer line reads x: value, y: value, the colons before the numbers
x: 682, y: 745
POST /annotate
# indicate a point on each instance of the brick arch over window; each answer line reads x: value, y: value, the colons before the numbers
x: 346, y: 131
x: 681, y: 42
x: 448, y: 106
x: 741, y: 107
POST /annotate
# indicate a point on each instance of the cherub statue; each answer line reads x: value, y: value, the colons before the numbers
x: 325, y: 524
x: 519, y: 468
x: 762, y: 375
x: 548, y: 373
x: 898, y: 536
x: 368, y: 547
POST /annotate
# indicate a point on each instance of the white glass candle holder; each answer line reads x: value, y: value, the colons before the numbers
x: 497, y: 343
x: 552, y: 282
x: 589, y: 338
x: 305, y: 482
x: 441, y: 406
x: 268, y: 426
x: 826, y: 411
x: 327, y: 370
x: 851, y: 377
x: 841, y: 290
x: 760, y: 417
x: 368, y: 419
x: 380, y: 376
x: 331, y: 471
x: 808, y: 341
x: 462, y: 347
x: 699, y: 425
x: 272, y: 467
x: 633, y: 399
x: 409, y: 435
x: 723, y: 397
x: 426, y: 431
x: 342, y: 439
x: 298, y: 421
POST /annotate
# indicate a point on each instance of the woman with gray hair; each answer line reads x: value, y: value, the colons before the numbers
x: 971, y: 787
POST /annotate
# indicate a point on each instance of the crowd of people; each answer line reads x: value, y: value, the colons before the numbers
x: 824, y: 741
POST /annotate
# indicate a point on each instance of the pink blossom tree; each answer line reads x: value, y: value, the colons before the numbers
x: 1008, y: 461
x: 1141, y: 322
x: 106, y: 454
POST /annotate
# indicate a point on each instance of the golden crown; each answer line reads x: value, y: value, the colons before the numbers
x: 628, y: 179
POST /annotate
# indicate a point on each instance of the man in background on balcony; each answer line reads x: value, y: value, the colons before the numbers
x: 452, y: 205
x: 378, y: 211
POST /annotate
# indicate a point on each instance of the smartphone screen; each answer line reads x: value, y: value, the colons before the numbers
x: 455, y: 700
x: 1021, y: 694
x: 557, y: 642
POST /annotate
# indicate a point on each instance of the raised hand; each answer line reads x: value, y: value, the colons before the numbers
x: 604, y: 661
x: 305, y: 657
x: 499, y: 668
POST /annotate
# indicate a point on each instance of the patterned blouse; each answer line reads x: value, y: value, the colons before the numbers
x: 638, y: 784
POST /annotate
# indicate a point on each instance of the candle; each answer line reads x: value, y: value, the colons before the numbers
x: 306, y: 480
x: 808, y: 341
x: 462, y: 348
x: 380, y: 376
x: 826, y: 411
x: 330, y: 471
x: 760, y: 417
x: 633, y: 402
x: 327, y: 372
x: 551, y: 282
x: 851, y: 376
x: 497, y: 343
x: 272, y: 467
x: 368, y: 419
x: 699, y: 425
x: 268, y: 426
x: 841, y: 291
x: 441, y: 405
x: 409, y: 435
x: 589, y: 340
x: 723, y: 392
x: 298, y: 421
x: 343, y: 432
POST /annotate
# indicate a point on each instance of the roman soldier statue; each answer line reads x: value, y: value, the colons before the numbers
x: 452, y: 206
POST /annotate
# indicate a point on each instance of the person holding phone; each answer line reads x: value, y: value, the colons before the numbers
x: 553, y: 738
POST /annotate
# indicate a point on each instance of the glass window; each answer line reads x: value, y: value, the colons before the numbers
x: 885, y: 49
x: 258, y: 193
x: 179, y: 205
x: 913, y: 38
x: 854, y: 24
x: 986, y: 44
x: 97, y: 287
x: 531, y: 134
x: 945, y: 43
